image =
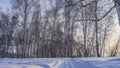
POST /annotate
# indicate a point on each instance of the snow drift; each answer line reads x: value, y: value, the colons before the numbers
x: 60, y: 63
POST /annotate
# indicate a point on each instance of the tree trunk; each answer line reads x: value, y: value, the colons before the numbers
x: 96, y: 26
x: 117, y: 4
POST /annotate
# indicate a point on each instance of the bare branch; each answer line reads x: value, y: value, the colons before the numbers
x: 81, y: 5
x: 106, y: 13
x: 99, y: 18
x: 84, y: 20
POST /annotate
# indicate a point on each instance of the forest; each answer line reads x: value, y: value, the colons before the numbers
x: 60, y: 28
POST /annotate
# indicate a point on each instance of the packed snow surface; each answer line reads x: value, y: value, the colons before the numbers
x: 60, y: 63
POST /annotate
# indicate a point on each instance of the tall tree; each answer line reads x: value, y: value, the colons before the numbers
x: 117, y: 5
x: 24, y: 8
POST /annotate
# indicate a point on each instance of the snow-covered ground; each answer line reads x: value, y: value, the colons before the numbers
x: 60, y: 63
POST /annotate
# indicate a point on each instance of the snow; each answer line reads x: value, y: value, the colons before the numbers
x: 60, y: 63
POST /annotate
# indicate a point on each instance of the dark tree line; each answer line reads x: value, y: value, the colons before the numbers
x: 68, y: 28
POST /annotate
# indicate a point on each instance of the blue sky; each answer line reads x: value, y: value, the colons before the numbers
x: 5, y: 4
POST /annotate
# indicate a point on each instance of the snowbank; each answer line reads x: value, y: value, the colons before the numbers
x: 61, y: 63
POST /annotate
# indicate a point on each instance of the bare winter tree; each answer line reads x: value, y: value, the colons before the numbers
x: 24, y: 8
x: 117, y: 5
x: 35, y: 30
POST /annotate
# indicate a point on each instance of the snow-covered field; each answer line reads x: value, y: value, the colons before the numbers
x: 60, y: 63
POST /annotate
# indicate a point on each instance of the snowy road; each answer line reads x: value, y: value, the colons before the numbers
x: 60, y: 63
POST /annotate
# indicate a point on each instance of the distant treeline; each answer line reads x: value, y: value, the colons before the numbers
x: 68, y: 28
